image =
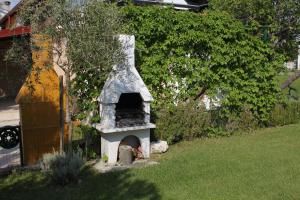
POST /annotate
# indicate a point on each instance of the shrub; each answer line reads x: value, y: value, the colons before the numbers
x: 235, y: 121
x: 62, y: 168
x: 187, y: 121
x: 285, y: 113
x: 88, y: 139
x: 184, y: 121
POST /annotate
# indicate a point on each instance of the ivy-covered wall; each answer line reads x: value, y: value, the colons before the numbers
x: 180, y: 52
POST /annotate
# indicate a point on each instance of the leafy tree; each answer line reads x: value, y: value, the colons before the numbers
x: 84, y: 45
x: 182, y: 55
x: 276, y: 20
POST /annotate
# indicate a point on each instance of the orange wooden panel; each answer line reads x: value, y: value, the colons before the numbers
x: 39, y: 115
x: 37, y: 142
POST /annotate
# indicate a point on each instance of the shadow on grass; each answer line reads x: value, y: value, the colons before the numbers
x: 110, y: 186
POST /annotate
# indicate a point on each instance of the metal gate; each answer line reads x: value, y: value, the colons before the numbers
x: 10, y: 147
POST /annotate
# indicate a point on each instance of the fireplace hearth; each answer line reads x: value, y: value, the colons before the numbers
x: 129, y: 110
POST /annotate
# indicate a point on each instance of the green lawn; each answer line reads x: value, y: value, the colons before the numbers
x: 260, y: 165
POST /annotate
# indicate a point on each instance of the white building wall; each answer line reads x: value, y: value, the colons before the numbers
x: 298, y: 61
x: 294, y: 64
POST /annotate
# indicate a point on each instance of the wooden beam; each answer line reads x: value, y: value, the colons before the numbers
x: 22, y: 30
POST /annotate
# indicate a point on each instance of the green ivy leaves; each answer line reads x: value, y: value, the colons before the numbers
x: 180, y: 52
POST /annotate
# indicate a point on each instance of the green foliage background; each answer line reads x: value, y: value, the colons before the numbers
x: 275, y: 20
x: 179, y: 52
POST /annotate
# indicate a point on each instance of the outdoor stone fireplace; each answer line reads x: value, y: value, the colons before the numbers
x: 125, y: 108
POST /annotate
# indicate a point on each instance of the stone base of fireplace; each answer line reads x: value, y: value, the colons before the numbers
x: 111, y: 138
x: 103, y: 167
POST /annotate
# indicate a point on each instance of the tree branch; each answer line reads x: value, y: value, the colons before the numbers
x: 290, y: 80
x: 201, y: 93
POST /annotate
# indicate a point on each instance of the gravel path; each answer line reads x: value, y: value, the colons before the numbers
x: 9, y: 157
x: 9, y: 113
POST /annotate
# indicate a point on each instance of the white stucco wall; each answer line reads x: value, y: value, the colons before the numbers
x: 294, y: 64
x: 298, y: 61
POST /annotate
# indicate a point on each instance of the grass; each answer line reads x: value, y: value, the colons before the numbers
x: 261, y: 165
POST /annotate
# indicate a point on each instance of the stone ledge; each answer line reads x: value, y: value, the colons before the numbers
x: 114, y: 130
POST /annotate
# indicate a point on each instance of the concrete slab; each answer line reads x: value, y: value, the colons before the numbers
x: 9, y: 157
x: 9, y: 113
x: 102, y: 167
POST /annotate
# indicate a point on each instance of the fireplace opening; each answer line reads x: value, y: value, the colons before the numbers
x: 129, y: 110
x: 129, y: 150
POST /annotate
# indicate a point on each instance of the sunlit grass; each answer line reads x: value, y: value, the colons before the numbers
x: 261, y: 165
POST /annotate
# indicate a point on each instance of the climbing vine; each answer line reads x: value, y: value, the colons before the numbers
x: 181, y: 55
x: 273, y: 20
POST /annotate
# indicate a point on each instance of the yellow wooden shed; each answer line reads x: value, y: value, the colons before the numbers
x: 39, y: 105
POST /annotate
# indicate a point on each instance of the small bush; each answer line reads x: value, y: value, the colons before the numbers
x: 185, y: 121
x: 88, y: 139
x: 242, y: 121
x: 62, y: 168
x: 284, y: 114
x: 190, y: 120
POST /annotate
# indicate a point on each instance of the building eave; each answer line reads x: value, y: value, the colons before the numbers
x: 21, y: 30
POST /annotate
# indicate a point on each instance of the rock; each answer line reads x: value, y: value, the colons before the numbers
x: 159, y: 146
x: 125, y: 154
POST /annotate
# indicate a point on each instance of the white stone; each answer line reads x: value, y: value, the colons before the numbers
x: 123, y: 129
x: 110, y: 143
x: 125, y: 78
x: 159, y: 146
x: 147, y: 112
x: 107, y: 115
